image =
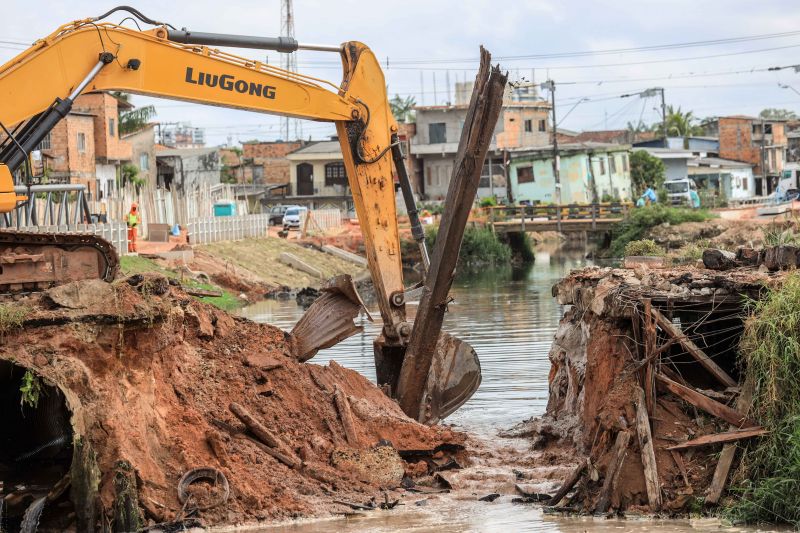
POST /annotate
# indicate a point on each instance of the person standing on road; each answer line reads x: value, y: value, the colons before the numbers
x: 132, y: 219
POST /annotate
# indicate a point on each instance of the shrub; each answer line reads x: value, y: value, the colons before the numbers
x: 640, y: 220
x: 489, y: 201
x: 768, y: 479
x: 480, y: 246
x: 643, y: 247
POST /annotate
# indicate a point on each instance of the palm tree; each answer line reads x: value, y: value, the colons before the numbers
x: 135, y: 119
x: 680, y: 124
x: 403, y: 108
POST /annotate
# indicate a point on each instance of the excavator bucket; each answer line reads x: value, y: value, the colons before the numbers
x: 454, y: 377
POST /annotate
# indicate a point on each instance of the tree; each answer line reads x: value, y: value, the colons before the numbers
x: 774, y: 113
x: 130, y: 174
x: 135, y: 119
x: 680, y: 124
x: 646, y: 170
x: 403, y: 108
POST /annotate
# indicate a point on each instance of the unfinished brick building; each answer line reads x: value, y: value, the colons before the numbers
x: 266, y: 163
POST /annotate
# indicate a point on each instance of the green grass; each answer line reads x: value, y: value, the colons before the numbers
x: 134, y: 264
x: 12, y: 316
x: 641, y: 220
x: 767, y: 484
x: 643, y: 247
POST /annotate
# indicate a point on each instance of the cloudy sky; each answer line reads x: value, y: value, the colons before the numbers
x: 426, y: 43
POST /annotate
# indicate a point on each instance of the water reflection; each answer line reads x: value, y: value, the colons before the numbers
x: 507, y: 314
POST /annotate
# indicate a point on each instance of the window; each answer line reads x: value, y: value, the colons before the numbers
x: 437, y: 133
x: 144, y: 161
x: 525, y: 174
x: 768, y: 129
x: 111, y: 128
x: 745, y: 181
x: 46, y: 143
x: 612, y: 163
x: 602, y: 166
x: 81, y: 142
x: 335, y: 174
x: 528, y: 125
x: 542, y: 125
x: 258, y: 174
x: 625, y: 164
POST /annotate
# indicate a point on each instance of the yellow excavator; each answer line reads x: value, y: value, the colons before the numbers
x: 39, y: 86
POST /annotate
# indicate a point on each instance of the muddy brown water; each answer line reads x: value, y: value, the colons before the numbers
x: 509, y: 317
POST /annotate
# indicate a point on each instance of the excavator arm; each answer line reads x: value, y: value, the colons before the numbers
x: 38, y: 87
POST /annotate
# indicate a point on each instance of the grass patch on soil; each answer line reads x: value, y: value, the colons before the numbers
x: 767, y: 483
x: 643, y: 247
x: 135, y: 264
x: 639, y: 221
x: 12, y: 315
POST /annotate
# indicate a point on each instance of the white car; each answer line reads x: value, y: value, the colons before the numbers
x: 293, y: 217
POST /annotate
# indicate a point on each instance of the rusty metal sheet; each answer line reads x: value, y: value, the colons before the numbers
x: 329, y: 320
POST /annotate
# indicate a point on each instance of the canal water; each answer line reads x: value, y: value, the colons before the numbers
x: 509, y: 317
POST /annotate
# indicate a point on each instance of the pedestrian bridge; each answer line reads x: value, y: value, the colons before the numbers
x: 563, y: 218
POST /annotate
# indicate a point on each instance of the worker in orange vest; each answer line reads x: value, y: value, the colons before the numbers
x: 133, y: 218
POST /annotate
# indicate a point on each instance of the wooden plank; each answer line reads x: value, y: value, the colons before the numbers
x: 343, y: 406
x: 476, y: 136
x: 612, y: 472
x: 705, y: 403
x: 720, y: 438
x: 648, y: 453
x: 729, y: 450
x: 569, y: 482
x: 669, y: 328
x: 649, y: 350
x: 676, y: 456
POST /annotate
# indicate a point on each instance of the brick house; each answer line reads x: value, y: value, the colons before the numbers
x: 760, y: 142
x: 85, y: 146
x: 266, y: 162
x: 438, y: 131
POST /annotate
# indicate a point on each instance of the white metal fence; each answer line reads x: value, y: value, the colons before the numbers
x: 204, y: 230
x: 321, y: 219
x: 114, y: 232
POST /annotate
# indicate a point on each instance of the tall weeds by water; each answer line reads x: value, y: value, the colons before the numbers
x: 767, y: 483
x: 640, y: 220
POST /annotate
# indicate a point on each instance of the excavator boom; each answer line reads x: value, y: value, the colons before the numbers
x: 39, y: 86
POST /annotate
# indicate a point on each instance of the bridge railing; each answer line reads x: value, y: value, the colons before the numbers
x: 594, y: 212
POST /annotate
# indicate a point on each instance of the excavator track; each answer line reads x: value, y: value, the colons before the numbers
x: 31, y: 262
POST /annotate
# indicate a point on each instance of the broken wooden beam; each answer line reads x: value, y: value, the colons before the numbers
x: 669, y: 328
x: 343, y: 406
x: 476, y: 137
x: 289, y: 461
x: 203, y: 293
x: 257, y: 428
x: 705, y: 403
x: 729, y: 450
x: 652, y: 359
x: 720, y: 438
x: 569, y: 482
x: 676, y: 456
x: 648, y: 452
x: 612, y: 472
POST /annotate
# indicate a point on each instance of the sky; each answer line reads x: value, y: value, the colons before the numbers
x: 427, y: 43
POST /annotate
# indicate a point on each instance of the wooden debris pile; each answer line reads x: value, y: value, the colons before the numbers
x: 645, y: 387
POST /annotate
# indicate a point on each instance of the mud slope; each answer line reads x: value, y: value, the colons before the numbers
x: 148, y: 374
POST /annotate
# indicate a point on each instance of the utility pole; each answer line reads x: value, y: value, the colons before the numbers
x: 647, y: 93
x: 289, y: 62
x: 550, y: 85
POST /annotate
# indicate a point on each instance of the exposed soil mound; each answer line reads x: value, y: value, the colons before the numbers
x: 720, y: 233
x: 149, y: 375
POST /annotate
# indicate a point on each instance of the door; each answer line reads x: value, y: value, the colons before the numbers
x: 305, y: 179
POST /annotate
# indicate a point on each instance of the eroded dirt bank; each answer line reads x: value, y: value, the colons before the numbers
x: 149, y: 376
x: 630, y: 401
